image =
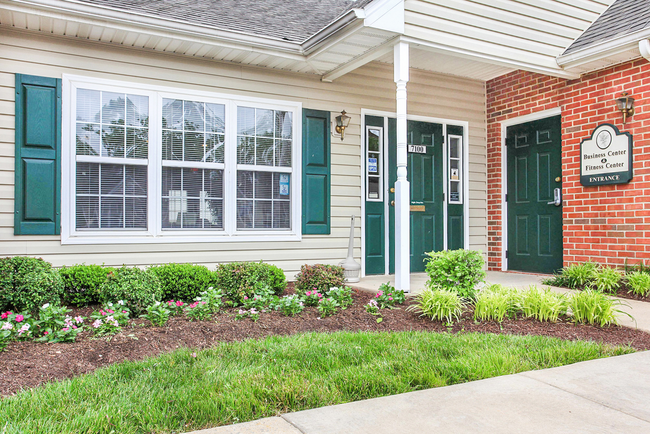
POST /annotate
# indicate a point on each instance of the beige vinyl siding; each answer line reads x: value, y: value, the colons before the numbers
x: 531, y: 31
x: 370, y: 87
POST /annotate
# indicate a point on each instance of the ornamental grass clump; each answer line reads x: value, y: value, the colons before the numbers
x: 458, y: 270
x: 577, y: 276
x: 543, y: 304
x: 606, y: 280
x: 593, y: 307
x: 495, y: 302
x: 639, y: 283
x: 438, y: 304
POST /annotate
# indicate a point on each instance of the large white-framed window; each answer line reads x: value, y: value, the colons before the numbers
x: 153, y: 164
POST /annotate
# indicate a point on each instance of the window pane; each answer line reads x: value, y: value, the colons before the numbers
x: 264, y: 123
x: 283, y: 153
x: 112, y: 179
x: 281, y: 215
x: 112, y: 213
x: 214, y: 148
x: 192, y: 198
x: 172, y: 114
x: 112, y: 141
x: 137, y: 141
x: 137, y: 111
x: 87, y: 212
x: 113, y: 108
x: 259, y: 195
x: 273, y: 131
x: 263, y: 185
x: 246, y: 150
x: 244, y: 214
x: 283, y: 125
x: 172, y: 145
x: 194, y: 115
x: 215, y: 118
x: 87, y: 178
x: 263, y: 214
x: 88, y: 139
x: 135, y: 212
x: 244, y: 184
x: 373, y: 140
x: 245, y: 121
x: 264, y: 152
x: 135, y: 178
x: 193, y: 146
x: 88, y: 104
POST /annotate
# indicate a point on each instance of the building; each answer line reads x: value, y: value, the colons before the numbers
x: 139, y: 132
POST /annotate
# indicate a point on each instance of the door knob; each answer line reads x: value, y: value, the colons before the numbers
x: 392, y: 203
x: 392, y: 189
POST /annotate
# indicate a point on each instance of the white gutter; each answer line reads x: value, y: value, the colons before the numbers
x: 644, y: 48
x: 343, y: 21
x: 603, y: 50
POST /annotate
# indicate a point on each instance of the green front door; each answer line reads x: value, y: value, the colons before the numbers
x: 534, y: 161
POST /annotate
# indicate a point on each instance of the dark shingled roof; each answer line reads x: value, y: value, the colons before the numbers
x: 290, y: 20
x: 620, y: 19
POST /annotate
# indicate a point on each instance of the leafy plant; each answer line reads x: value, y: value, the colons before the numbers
x: 239, y: 279
x: 639, y: 283
x: 55, y: 325
x: 260, y: 300
x: 495, y: 303
x: 319, y: 278
x: 183, y: 281
x: 438, y: 304
x: 373, y: 308
x: 458, y: 270
x: 543, y: 304
x: 328, y: 306
x: 577, y: 276
x: 138, y: 288
x: 175, y: 307
x: 81, y: 283
x: 251, y: 313
x: 312, y: 298
x: 593, y: 307
x: 342, y: 295
x: 18, y: 326
x: 199, y: 311
x: 28, y: 283
x: 606, y: 280
x: 388, y: 296
x: 110, y: 319
x: 157, y: 314
x: 290, y: 305
x: 212, y: 297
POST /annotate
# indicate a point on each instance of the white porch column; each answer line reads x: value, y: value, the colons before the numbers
x: 402, y: 196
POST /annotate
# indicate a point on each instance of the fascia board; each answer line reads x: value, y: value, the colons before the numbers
x: 101, y: 15
x: 603, y: 50
x: 386, y: 15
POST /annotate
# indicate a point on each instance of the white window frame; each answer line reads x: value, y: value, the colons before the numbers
x: 380, y: 164
x: 154, y: 232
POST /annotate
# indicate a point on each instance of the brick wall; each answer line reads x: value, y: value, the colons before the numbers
x: 606, y: 224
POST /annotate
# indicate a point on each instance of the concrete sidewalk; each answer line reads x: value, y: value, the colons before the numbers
x: 599, y: 396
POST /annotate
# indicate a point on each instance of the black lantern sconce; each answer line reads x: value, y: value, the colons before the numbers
x: 625, y: 105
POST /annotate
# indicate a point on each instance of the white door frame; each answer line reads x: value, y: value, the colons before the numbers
x: 504, y: 171
x: 429, y: 119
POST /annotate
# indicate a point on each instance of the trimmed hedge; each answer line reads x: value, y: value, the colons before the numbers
x: 138, y: 288
x: 82, y: 283
x: 239, y: 279
x: 183, y: 281
x: 457, y: 270
x: 27, y: 283
x: 320, y: 277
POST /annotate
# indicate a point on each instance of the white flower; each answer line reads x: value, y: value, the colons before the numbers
x: 120, y: 303
x: 7, y: 326
x: 45, y: 306
x: 97, y: 324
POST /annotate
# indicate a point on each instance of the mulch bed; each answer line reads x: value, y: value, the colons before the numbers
x: 29, y: 364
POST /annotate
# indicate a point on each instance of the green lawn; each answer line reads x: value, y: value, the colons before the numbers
x: 249, y: 380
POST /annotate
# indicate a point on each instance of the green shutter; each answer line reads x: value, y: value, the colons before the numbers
x: 315, y: 172
x: 37, y: 190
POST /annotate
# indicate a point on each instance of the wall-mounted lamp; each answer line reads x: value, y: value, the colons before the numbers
x: 625, y: 105
x: 342, y: 122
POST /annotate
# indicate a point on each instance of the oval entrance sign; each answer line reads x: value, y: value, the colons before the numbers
x: 606, y: 157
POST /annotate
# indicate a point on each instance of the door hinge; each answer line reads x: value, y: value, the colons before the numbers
x: 506, y: 254
x: 506, y: 197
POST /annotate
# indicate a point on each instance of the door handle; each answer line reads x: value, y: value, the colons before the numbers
x: 392, y: 203
x: 557, y: 197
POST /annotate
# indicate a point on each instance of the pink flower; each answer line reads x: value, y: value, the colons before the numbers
x: 45, y: 333
x: 19, y: 318
x: 110, y: 311
x: 74, y: 327
x: 78, y: 319
x: 179, y: 303
x: 377, y: 296
x: 320, y: 295
x: 65, y: 329
x: 123, y: 311
x: 390, y: 298
x: 4, y: 315
x: 102, y: 312
x: 97, y: 324
x: 245, y: 298
x: 308, y: 293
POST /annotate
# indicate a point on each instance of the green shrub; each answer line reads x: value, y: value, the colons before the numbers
x: 459, y: 270
x: 81, y: 283
x: 183, y: 281
x: 577, y: 276
x: 239, y: 279
x: 438, y: 304
x: 606, y: 280
x: 138, y: 288
x: 28, y: 283
x: 342, y: 295
x: 319, y: 277
x: 639, y: 283
x: 495, y: 303
x: 593, y: 307
x: 543, y: 304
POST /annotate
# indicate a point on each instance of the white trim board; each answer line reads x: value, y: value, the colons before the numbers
x: 504, y: 172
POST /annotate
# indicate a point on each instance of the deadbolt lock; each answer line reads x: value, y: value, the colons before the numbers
x: 558, y: 179
x: 392, y: 203
x: 392, y: 189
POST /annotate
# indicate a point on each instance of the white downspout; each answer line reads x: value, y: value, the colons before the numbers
x: 402, y: 197
x: 644, y: 48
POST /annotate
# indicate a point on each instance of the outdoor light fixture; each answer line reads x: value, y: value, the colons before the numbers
x: 342, y: 122
x: 625, y: 105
